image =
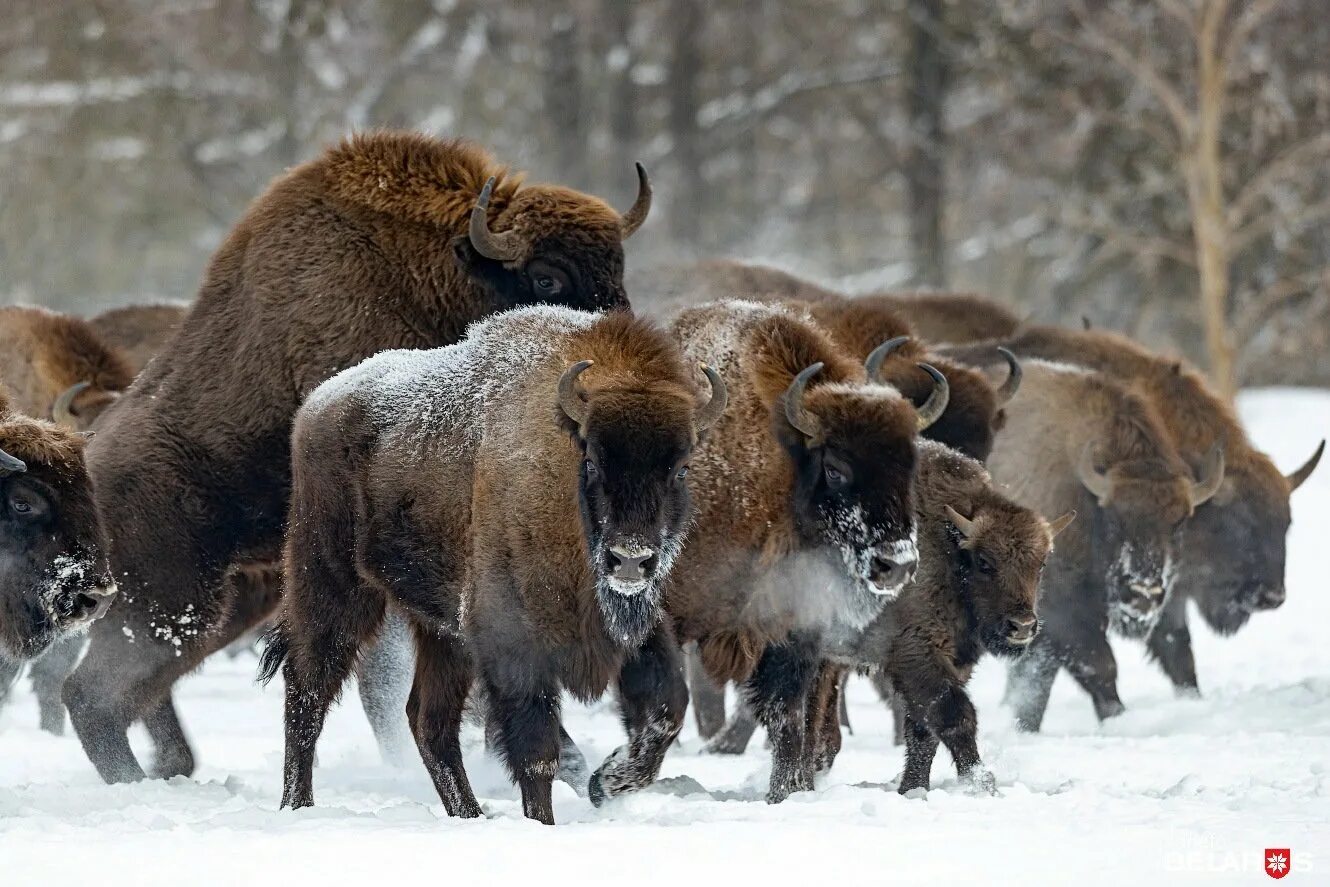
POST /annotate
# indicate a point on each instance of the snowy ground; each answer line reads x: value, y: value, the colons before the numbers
x: 1173, y: 790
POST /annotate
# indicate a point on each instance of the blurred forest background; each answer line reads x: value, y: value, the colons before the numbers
x: 1160, y: 167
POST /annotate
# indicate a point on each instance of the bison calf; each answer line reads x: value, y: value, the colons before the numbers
x: 521, y: 496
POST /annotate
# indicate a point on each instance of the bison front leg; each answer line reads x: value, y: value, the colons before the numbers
x: 48, y: 678
x: 653, y: 697
x: 920, y: 749
x: 1029, y: 683
x: 1090, y: 661
x: 524, y: 721
x: 1170, y: 645
x: 824, y: 737
x: 778, y: 692
x: 434, y: 710
x: 738, y: 731
x: 706, y: 696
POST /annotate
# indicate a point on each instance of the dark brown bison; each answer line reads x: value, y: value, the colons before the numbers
x: 379, y: 243
x: 522, y: 496
x: 1231, y: 552
x: 980, y: 559
x: 53, y: 572
x: 139, y: 332
x: 804, y: 497
x: 953, y: 317
x: 57, y: 366
x: 1077, y: 440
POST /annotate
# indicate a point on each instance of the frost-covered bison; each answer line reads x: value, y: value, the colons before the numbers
x: 379, y: 243
x: 522, y: 496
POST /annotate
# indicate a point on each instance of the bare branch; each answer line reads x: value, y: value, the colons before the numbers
x: 1266, y: 223
x: 1128, y: 240
x: 1289, y: 161
x: 738, y: 109
x: 1182, y: 12
x: 1260, y: 307
x: 1247, y: 22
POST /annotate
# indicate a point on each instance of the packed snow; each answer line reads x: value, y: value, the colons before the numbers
x: 1173, y: 790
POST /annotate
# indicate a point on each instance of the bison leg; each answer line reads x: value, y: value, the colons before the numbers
x: 524, y: 717
x: 1029, y: 683
x: 1091, y: 663
x: 174, y: 756
x: 383, y: 677
x: 778, y: 691
x: 9, y: 672
x: 920, y: 748
x: 882, y: 683
x: 823, y: 717
x: 733, y: 739
x: 1170, y: 645
x: 437, y: 699
x: 48, y: 676
x: 653, y: 698
x: 706, y: 696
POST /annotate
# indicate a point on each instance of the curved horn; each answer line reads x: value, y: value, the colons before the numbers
x: 10, y: 465
x: 799, y: 417
x: 1014, y: 375
x: 570, y: 401
x: 62, y: 410
x: 1057, y: 525
x: 1094, y: 481
x: 710, y: 414
x: 1297, y: 478
x: 962, y: 523
x: 936, y: 404
x: 500, y: 247
x: 873, y: 365
x: 637, y: 213
x: 1205, y: 488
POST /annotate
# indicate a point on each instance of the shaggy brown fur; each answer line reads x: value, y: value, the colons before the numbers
x: 1231, y: 554
x: 139, y: 332
x: 953, y: 317
x: 1111, y: 564
x: 450, y: 482
x: 53, y: 574
x: 976, y: 591
x: 363, y: 249
x: 43, y: 353
x: 780, y: 553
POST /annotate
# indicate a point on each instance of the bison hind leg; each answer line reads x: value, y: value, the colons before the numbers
x: 435, y: 709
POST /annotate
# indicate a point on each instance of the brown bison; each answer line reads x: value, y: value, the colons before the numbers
x: 980, y: 559
x: 1231, y: 552
x: 382, y: 242
x: 805, y: 503
x: 522, y: 496
x: 139, y: 332
x: 53, y: 572
x: 1077, y: 440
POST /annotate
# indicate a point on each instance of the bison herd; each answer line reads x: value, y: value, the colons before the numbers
x: 411, y: 400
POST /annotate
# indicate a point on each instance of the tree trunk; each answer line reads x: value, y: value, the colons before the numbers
x: 565, y: 108
x: 686, y: 209
x: 925, y: 158
x: 623, y: 96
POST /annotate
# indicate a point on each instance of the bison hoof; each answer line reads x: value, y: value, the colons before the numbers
x: 595, y: 792
x: 1110, y: 709
x: 574, y: 771
x: 980, y: 781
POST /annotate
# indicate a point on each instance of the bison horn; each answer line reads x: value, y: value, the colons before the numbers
x: 1014, y: 375
x: 637, y: 213
x: 1205, y: 488
x: 1094, y: 480
x: 1057, y: 525
x: 499, y: 247
x: 962, y: 523
x: 799, y: 417
x: 1297, y: 478
x: 873, y: 365
x: 936, y: 404
x: 10, y: 465
x: 570, y: 400
x: 710, y: 414
x: 63, y: 408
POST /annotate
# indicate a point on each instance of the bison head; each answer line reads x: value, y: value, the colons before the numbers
x: 998, y: 552
x: 53, y: 575
x: 635, y: 443
x: 557, y: 245
x: 1231, y: 559
x: 852, y: 449
x: 1143, y: 501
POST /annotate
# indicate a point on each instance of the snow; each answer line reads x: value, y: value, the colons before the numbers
x: 1174, y: 790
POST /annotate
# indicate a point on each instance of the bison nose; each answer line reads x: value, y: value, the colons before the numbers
x: 1021, y: 629
x: 890, y: 574
x: 83, y: 606
x: 630, y: 564
x: 1271, y: 598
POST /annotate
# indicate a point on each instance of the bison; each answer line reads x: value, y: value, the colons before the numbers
x: 1077, y: 440
x: 139, y: 332
x: 804, y: 493
x: 522, y: 497
x: 980, y: 560
x: 387, y: 240
x: 1230, y: 558
x: 54, y: 579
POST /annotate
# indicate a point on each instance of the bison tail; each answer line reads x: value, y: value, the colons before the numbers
x: 276, y: 646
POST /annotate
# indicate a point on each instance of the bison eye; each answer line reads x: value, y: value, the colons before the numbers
x: 835, y: 477
x: 681, y: 473
x: 21, y: 505
x: 985, y: 565
x: 591, y: 468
